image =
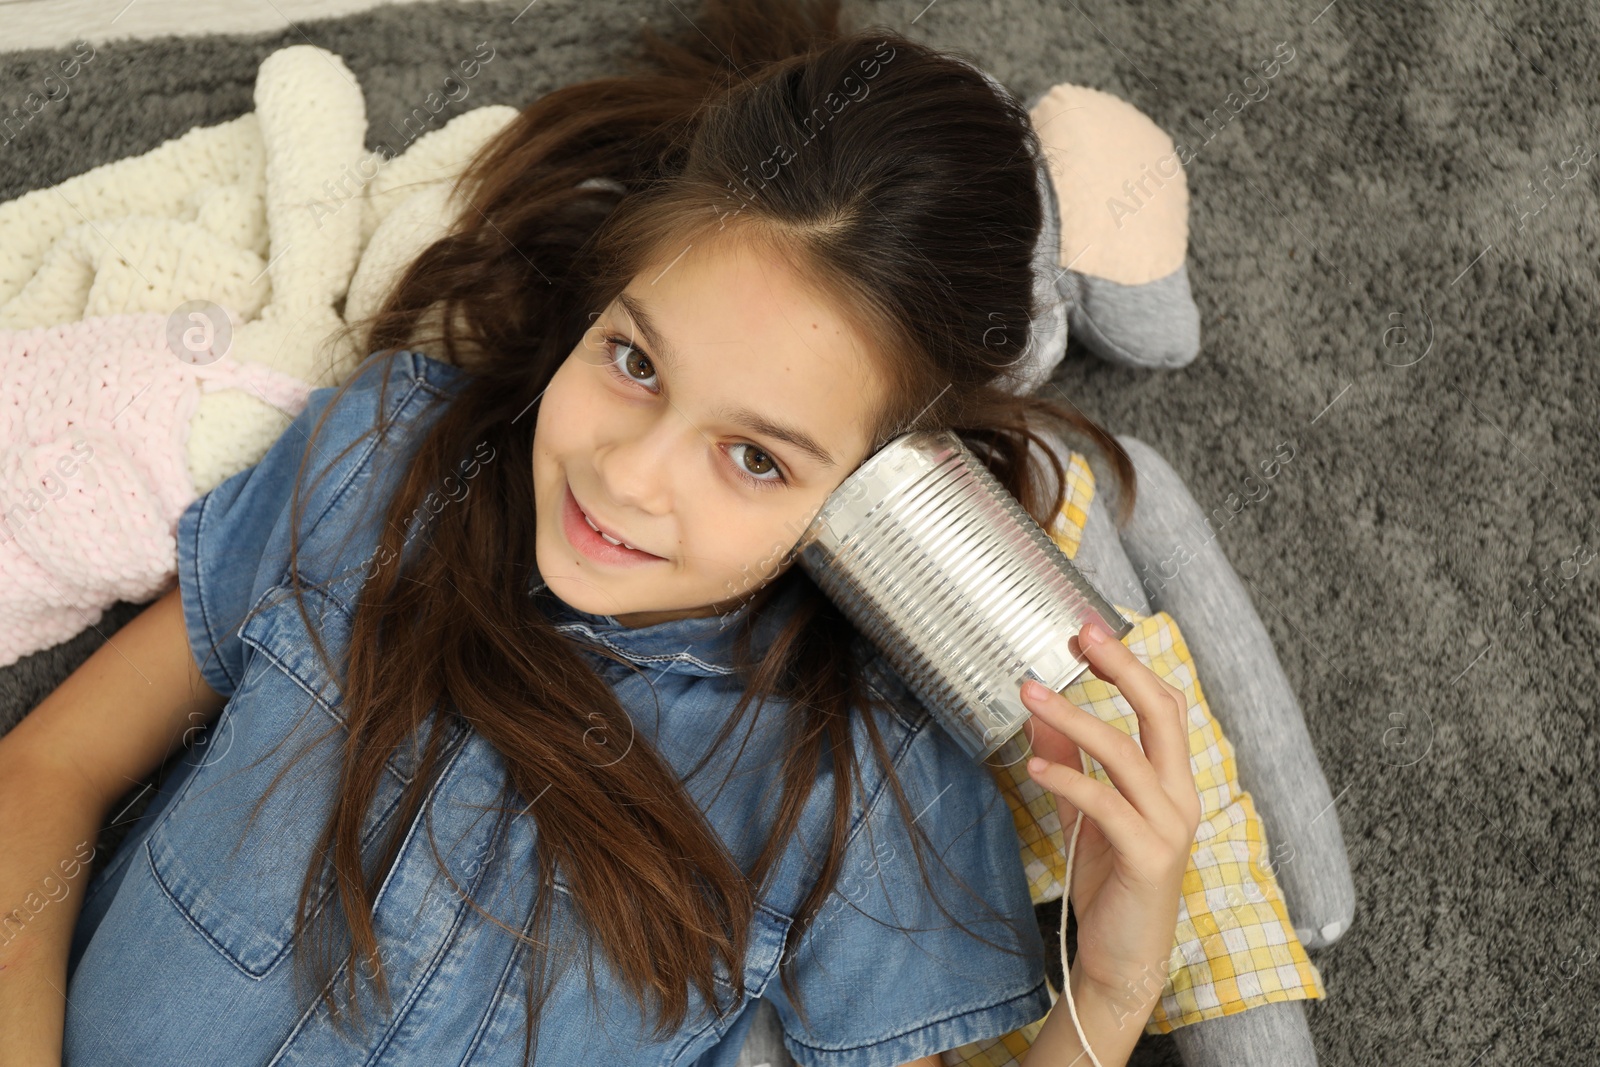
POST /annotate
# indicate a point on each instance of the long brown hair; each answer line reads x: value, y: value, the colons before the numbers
x: 914, y: 205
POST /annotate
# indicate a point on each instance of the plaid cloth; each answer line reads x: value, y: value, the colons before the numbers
x: 1234, y: 946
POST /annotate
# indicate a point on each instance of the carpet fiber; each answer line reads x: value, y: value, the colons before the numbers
x: 1394, y: 249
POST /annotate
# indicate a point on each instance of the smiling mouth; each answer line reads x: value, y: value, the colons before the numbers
x: 594, y: 541
x: 607, y: 537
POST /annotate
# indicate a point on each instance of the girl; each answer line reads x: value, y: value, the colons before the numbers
x: 499, y: 663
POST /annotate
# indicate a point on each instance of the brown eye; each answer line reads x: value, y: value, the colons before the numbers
x: 636, y: 361
x: 633, y: 359
x: 769, y: 472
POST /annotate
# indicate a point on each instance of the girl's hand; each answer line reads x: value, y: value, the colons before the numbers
x: 1136, y: 839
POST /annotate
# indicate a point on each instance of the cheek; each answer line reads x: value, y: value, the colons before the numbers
x: 757, y: 544
x: 737, y: 554
x: 567, y: 407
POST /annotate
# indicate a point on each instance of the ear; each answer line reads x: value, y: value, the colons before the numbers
x: 1124, y: 227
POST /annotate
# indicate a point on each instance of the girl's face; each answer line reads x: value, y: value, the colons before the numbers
x: 703, y: 420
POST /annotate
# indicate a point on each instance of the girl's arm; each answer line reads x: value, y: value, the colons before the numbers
x: 1126, y: 872
x: 1113, y: 1023
x: 111, y: 723
x: 40, y: 829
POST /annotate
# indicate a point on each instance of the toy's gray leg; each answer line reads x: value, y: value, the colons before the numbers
x: 1246, y: 689
x: 1104, y: 561
x: 1151, y: 326
x: 1267, y: 1035
x: 1242, y: 697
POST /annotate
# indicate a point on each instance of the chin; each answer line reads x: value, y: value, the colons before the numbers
x: 556, y: 571
x: 584, y: 596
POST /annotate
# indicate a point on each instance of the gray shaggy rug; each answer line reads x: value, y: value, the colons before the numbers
x: 1394, y: 253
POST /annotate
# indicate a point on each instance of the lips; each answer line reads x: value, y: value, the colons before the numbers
x: 602, y: 532
x: 596, y: 541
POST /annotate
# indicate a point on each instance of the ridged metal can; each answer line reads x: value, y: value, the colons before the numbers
x: 961, y: 590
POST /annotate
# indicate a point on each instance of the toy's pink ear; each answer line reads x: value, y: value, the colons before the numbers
x: 1123, y: 207
x: 1120, y: 184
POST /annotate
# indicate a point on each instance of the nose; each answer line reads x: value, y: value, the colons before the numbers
x: 637, y: 464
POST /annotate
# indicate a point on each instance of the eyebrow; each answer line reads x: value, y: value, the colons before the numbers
x: 753, y: 421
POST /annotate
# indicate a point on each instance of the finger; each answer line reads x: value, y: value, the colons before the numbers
x: 1127, y: 831
x: 1173, y: 766
x: 1056, y: 749
x: 1178, y: 695
x: 1047, y: 741
x: 1119, y: 753
x: 1162, y: 709
x: 1050, y: 744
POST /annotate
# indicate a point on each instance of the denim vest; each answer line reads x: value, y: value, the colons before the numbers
x: 184, y: 949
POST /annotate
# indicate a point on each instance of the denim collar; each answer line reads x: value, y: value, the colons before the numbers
x: 700, y: 646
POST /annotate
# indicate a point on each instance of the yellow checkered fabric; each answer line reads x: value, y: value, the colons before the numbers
x: 1234, y: 947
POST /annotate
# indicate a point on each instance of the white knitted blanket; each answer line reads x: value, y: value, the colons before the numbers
x: 163, y: 316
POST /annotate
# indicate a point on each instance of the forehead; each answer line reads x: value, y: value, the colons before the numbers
x: 735, y: 326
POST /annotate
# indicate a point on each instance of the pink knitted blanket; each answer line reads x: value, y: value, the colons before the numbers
x: 94, y: 429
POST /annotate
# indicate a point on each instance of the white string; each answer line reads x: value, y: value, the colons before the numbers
x: 1066, y: 978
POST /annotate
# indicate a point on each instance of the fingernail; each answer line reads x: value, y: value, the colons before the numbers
x: 1033, y: 689
x: 1036, y: 765
x: 1091, y: 634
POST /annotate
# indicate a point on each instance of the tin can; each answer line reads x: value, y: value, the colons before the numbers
x: 966, y: 596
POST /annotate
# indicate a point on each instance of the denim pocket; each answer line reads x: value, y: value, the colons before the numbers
x: 235, y: 881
